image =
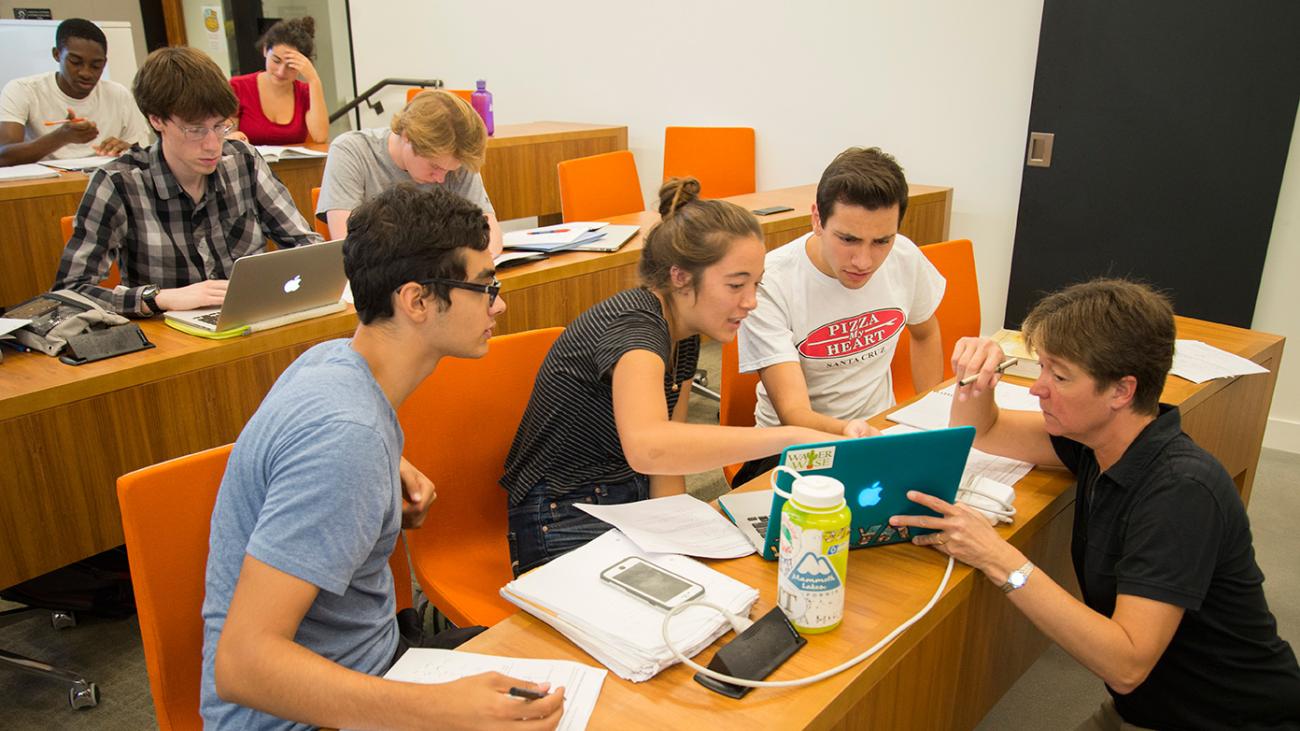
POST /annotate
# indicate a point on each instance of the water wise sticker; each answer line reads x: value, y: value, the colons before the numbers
x: 816, y: 458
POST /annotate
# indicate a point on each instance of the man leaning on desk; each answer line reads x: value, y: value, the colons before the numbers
x: 176, y: 216
x: 1173, y: 616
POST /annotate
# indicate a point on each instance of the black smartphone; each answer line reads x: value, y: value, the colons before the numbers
x: 771, y: 209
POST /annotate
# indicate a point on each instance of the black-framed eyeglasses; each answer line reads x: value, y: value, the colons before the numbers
x: 492, y: 290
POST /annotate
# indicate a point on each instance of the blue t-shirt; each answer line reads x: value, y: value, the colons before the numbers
x: 312, y: 489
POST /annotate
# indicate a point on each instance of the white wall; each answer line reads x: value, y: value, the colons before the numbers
x: 1278, y: 308
x: 945, y: 85
x: 127, y: 10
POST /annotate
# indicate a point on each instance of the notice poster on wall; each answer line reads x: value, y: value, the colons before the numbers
x: 214, y: 32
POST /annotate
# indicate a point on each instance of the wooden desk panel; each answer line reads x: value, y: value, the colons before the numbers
x: 946, y: 671
x: 519, y: 177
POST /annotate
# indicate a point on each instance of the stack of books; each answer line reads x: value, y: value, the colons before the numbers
x: 622, y: 632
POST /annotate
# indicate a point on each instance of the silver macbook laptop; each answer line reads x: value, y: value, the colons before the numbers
x: 275, y: 288
x: 612, y: 239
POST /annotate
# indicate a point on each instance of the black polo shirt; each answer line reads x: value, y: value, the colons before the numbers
x: 1165, y: 523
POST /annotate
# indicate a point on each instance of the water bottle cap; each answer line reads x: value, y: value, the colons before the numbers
x: 481, y: 84
x: 818, y: 492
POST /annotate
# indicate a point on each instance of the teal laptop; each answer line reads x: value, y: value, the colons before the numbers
x: 877, y: 473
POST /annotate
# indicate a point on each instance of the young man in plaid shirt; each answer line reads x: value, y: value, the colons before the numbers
x: 176, y: 216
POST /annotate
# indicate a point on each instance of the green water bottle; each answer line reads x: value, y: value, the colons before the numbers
x: 814, y: 547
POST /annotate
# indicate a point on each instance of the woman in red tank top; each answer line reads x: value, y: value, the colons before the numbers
x: 276, y: 106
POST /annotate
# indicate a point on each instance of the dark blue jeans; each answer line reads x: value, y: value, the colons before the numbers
x: 543, y: 527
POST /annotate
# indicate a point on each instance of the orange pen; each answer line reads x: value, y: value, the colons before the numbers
x: 64, y: 121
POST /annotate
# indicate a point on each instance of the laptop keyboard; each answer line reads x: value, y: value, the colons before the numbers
x: 210, y: 319
x: 760, y: 523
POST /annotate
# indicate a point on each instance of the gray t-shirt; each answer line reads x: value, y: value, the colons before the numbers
x: 312, y: 489
x: 359, y: 168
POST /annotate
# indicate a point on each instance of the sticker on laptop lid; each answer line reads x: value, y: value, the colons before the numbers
x: 816, y: 458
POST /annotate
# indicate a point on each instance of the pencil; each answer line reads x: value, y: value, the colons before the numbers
x: 526, y: 694
x: 64, y: 121
x: 1002, y: 367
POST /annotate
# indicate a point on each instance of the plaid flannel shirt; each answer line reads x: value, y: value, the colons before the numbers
x: 135, y: 211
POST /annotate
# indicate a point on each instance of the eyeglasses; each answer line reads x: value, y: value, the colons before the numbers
x: 199, y: 133
x: 492, y: 290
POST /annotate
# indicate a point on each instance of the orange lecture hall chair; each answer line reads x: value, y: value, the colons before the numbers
x: 958, y: 313
x: 459, y: 425
x: 721, y: 158
x: 114, y: 277
x: 417, y: 90
x: 600, y: 186
x: 736, y: 407
x: 167, y: 540
x: 322, y: 228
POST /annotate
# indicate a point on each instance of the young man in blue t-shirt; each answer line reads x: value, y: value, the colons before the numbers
x: 299, y: 617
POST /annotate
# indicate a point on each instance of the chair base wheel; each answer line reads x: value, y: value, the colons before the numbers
x: 61, y: 619
x: 83, y: 695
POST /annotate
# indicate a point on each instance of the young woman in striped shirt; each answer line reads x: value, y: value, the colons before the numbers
x: 607, y: 419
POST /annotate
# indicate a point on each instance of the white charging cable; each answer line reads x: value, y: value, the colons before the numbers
x: 740, y: 624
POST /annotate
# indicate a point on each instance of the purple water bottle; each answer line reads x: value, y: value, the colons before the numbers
x: 481, y: 99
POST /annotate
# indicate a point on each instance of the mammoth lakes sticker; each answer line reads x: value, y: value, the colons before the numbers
x: 853, y: 334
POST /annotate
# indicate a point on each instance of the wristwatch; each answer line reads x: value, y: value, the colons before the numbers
x: 1018, y: 578
x: 149, y: 293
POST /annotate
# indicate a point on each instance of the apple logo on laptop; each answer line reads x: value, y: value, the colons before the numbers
x: 870, y: 496
x: 292, y: 285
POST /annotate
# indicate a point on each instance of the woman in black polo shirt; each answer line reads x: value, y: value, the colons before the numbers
x: 1173, y: 617
x: 607, y: 419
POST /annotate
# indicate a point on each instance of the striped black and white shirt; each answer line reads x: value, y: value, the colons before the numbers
x: 567, y: 436
x: 134, y: 211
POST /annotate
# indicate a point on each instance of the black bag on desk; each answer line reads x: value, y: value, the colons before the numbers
x: 67, y: 319
x: 99, y: 585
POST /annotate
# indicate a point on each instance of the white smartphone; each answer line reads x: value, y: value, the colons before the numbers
x: 656, y: 586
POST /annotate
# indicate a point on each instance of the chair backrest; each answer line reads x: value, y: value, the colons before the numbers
x: 722, y: 158
x: 416, y: 90
x: 166, y: 515
x: 114, y: 277
x: 958, y: 313
x: 597, y: 187
x: 738, y: 395
x: 166, y: 511
x: 459, y: 425
x: 322, y: 227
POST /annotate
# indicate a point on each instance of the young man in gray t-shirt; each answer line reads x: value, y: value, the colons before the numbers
x: 299, y: 614
x: 436, y: 141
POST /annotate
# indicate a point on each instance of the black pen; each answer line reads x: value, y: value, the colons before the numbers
x: 1002, y: 367
x: 526, y: 694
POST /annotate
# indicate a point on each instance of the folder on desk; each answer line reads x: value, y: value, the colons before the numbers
x: 623, y: 633
x: 554, y: 238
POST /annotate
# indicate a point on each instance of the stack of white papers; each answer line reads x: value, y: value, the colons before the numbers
x: 554, y: 238
x: 272, y: 153
x: 675, y: 524
x: 623, y: 633
x: 79, y: 163
x: 581, y: 683
x: 931, y: 412
x: 1198, y: 362
x: 26, y: 172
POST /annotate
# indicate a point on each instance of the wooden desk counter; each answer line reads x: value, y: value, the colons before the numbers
x: 533, y: 301
x: 519, y: 176
x: 950, y: 668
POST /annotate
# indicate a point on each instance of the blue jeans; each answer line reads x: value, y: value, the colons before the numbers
x: 543, y: 527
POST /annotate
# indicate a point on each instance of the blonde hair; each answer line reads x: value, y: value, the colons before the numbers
x: 440, y: 123
x: 692, y: 235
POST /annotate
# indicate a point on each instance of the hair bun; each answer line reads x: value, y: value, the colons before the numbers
x: 677, y: 192
x: 308, y: 24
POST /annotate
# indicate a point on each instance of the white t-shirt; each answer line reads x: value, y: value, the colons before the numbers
x: 34, y: 100
x: 843, y: 339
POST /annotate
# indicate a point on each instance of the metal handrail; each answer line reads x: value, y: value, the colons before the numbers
x: 364, y: 98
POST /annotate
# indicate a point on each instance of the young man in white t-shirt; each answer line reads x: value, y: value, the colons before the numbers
x: 833, y: 304
x: 102, y: 116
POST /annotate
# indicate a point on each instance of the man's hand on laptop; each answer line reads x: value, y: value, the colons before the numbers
x: 209, y: 293
x: 418, y: 494
x: 859, y: 428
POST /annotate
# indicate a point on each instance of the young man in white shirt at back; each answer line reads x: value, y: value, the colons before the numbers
x: 833, y: 304
x: 103, y: 119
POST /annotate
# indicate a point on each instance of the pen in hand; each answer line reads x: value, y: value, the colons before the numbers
x: 72, y: 120
x: 526, y: 694
x: 1002, y: 367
